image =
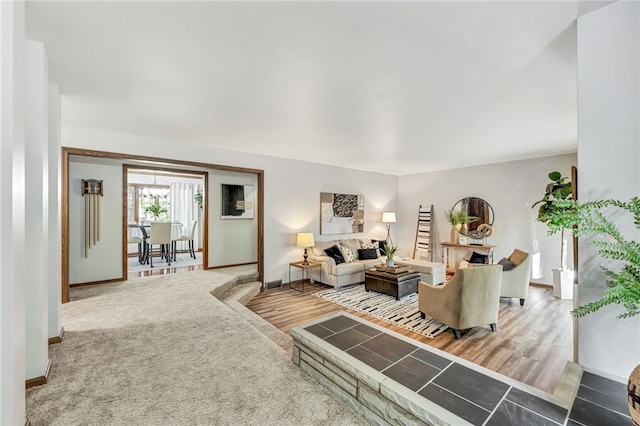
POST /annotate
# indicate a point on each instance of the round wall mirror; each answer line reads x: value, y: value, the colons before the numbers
x: 474, y: 206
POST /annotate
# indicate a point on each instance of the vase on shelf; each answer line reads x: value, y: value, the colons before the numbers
x: 453, y: 235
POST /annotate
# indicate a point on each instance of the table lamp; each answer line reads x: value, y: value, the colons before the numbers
x: 305, y: 239
x: 389, y: 218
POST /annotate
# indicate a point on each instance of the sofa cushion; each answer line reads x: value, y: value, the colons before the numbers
x: 321, y: 246
x: 372, y: 246
x: 335, y: 253
x: 507, y: 265
x: 367, y: 253
x: 380, y: 244
x: 347, y: 254
x: 369, y: 263
x: 518, y: 256
x: 478, y: 258
x: 347, y: 268
x: 352, y: 244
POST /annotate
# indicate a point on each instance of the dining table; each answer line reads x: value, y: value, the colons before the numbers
x: 143, y: 230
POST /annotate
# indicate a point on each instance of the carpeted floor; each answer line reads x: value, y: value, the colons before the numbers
x: 403, y: 313
x: 161, y: 350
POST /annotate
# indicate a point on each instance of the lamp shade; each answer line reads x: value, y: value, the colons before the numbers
x: 305, y: 239
x: 389, y: 217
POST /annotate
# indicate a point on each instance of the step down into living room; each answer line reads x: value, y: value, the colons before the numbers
x: 389, y: 378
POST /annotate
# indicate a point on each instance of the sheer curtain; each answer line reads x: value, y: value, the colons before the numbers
x: 184, y: 208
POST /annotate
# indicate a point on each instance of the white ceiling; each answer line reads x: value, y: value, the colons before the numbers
x: 392, y: 87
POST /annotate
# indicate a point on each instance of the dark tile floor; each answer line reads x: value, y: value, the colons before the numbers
x: 473, y: 396
x: 599, y: 402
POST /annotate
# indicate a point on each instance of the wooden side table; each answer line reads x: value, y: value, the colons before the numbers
x: 486, y: 248
x: 305, y: 273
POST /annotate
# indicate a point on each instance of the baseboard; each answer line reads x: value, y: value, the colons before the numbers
x: 40, y: 380
x: 58, y: 338
x: 113, y: 280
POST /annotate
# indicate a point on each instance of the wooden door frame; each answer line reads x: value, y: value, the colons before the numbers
x: 125, y: 213
x: 64, y: 240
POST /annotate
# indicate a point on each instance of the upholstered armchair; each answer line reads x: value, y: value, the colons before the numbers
x: 470, y: 299
x: 515, y: 282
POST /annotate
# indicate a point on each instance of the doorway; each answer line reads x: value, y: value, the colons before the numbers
x: 164, y: 195
x: 234, y: 242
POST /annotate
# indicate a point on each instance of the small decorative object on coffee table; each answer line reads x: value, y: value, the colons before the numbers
x: 396, y: 269
x: 391, y: 283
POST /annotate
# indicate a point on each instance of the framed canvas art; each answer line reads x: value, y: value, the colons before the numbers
x: 341, y: 213
x: 237, y: 201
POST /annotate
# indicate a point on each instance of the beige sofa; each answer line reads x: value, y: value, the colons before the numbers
x: 353, y: 272
x: 346, y: 273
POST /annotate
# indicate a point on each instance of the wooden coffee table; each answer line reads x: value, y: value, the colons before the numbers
x: 397, y: 285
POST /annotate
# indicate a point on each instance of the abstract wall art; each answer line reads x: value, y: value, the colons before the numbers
x: 237, y: 201
x: 341, y: 213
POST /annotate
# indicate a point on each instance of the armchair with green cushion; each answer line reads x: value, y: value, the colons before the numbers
x: 515, y: 282
x: 470, y: 299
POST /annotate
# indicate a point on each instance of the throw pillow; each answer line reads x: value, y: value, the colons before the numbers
x: 347, y: 254
x: 321, y: 246
x: 380, y: 244
x: 367, y: 253
x: 334, y: 253
x: 507, y: 265
x: 352, y: 244
x: 373, y: 246
x: 478, y: 258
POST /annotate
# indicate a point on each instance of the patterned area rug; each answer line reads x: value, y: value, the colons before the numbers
x: 402, y: 313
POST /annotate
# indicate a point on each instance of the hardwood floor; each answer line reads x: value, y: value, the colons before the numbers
x: 532, y: 345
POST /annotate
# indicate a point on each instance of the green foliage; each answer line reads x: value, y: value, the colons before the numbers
x: 588, y: 219
x: 390, y: 250
x: 458, y: 217
x: 156, y: 210
x: 198, y: 198
x: 558, y: 189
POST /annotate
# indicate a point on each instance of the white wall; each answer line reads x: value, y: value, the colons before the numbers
x: 231, y: 241
x: 12, y: 210
x: 609, y: 167
x: 511, y: 189
x: 292, y: 188
x: 55, y: 253
x: 37, y: 209
x: 105, y: 258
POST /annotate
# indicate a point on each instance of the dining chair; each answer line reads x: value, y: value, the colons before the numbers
x: 132, y: 238
x: 189, y: 238
x: 161, y: 236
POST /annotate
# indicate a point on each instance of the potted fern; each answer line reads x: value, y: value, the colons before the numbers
x: 623, y: 280
x: 588, y: 218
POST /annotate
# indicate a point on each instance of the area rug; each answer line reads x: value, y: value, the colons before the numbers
x: 402, y: 313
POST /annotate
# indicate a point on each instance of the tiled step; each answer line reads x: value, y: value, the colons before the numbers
x: 399, y: 378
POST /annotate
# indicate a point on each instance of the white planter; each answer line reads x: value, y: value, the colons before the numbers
x: 562, y: 283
